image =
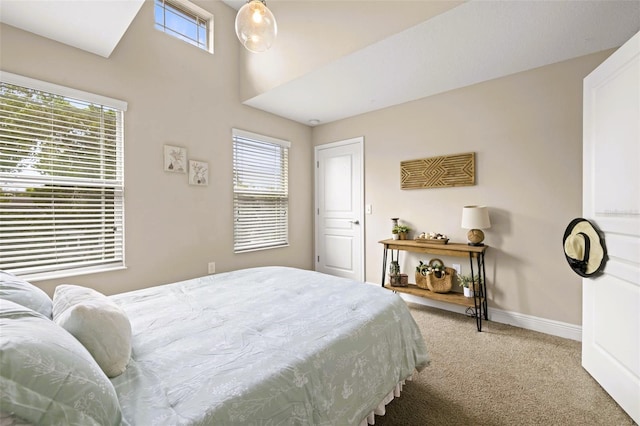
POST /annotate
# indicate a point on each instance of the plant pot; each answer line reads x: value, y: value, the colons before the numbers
x: 402, y: 235
x: 468, y: 292
x: 395, y: 236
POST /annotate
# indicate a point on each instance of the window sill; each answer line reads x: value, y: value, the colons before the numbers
x: 261, y: 248
x: 42, y: 276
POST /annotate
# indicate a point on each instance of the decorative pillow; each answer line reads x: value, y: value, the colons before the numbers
x: 47, y: 376
x: 23, y: 293
x: 97, y: 322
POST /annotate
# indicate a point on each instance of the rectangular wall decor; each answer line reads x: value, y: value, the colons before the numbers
x: 439, y: 172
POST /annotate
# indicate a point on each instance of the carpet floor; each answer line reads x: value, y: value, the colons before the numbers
x: 504, y: 375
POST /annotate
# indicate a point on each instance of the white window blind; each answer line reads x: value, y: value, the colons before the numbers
x: 260, y: 191
x: 61, y: 179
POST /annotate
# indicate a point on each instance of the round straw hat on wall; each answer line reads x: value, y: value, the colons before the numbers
x: 584, y: 248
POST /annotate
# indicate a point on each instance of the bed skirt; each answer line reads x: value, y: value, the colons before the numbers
x: 381, y: 409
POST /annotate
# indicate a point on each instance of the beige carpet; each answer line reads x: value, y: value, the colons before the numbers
x: 502, y: 376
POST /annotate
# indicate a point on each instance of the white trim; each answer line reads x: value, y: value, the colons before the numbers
x: 31, y: 83
x: 258, y: 137
x: 543, y: 325
x: 359, y: 139
x: 71, y: 273
x: 194, y: 8
x: 528, y: 322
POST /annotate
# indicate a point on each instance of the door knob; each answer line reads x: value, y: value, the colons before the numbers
x: 355, y: 222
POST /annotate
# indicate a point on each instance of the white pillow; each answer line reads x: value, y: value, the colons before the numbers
x: 47, y: 377
x: 24, y: 293
x: 98, y: 323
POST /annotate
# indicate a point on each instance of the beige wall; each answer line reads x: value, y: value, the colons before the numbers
x: 526, y: 131
x: 180, y: 95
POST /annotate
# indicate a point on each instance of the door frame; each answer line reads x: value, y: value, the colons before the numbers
x: 316, y: 207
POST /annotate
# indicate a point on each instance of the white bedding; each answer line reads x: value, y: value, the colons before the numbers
x: 264, y: 346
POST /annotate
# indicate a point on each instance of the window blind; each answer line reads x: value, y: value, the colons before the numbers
x: 61, y: 181
x: 260, y: 191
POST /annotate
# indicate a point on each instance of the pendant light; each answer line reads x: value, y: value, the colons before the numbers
x: 255, y: 26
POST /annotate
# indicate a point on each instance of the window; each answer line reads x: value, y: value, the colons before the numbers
x: 260, y: 191
x: 185, y: 21
x: 61, y: 179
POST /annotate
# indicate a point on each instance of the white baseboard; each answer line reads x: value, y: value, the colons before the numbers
x: 529, y: 322
x: 543, y: 325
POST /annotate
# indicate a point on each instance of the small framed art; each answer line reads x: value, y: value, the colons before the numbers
x: 175, y: 159
x: 198, y: 173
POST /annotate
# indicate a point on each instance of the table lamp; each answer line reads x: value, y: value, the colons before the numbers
x: 475, y: 219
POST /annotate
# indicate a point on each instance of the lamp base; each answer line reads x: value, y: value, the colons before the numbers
x: 475, y: 237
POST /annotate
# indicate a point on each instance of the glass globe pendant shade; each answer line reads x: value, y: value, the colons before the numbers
x: 256, y: 26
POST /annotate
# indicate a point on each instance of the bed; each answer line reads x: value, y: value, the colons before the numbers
x: 264, y: 346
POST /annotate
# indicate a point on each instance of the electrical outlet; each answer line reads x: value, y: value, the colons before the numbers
x: 456, y: 266
x: 212, y: 267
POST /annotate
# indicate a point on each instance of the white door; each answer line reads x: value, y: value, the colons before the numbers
x: 611, y: 199
x: 339, y: 204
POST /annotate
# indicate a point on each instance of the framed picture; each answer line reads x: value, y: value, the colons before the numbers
x: 198, y: 173
x: 175, y: 159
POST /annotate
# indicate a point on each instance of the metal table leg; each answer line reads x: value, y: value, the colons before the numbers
x: 384, y: 263
x: 477, y: 295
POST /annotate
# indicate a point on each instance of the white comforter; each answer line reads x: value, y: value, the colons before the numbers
x: 264, y: 346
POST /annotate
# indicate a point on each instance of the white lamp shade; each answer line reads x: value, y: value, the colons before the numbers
x: 475, y: 217
x: 256, y: 26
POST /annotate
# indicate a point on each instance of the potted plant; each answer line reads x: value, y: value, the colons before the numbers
x: 465, y: 282
x: 401, y: 231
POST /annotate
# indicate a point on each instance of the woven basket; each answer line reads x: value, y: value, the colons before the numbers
x: 440, y: 282
x: 421, y: 281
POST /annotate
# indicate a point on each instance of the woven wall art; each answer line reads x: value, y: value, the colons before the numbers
x: 439, y: 172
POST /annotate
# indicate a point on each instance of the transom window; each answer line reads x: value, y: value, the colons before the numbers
x: 61, y: 179
x: 185, y: 21
x: 260, y: 191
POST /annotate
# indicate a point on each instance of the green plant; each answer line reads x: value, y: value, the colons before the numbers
x: 466, y: 280
x: 424, y: 268
x: 400, y: 229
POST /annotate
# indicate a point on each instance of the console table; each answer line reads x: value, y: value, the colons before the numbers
x: 478, y: 304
